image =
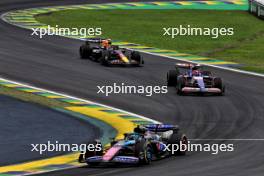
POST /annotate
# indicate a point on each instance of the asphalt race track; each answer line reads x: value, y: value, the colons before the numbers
x: 23, y: 124
x: 53, y: 63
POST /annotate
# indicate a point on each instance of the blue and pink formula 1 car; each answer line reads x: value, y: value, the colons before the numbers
x: 191, y: 79
x: 145, y: 144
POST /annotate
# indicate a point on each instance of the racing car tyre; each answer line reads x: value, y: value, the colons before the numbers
x: 219, y: 84
x: 87, y: 154
x: 177, y: 138
x: 143, y: 151
x: 172, y: 76
x: 81, y: 158
x: 135, y: 55
x: 85, y: 51
x: 104, y: 59
x: 180, y: 85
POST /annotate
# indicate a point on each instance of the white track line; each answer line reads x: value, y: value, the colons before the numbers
x: 209, y: 65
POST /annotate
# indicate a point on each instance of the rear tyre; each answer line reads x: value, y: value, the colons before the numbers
x: 85, y: 51
x: 180, y: 85
x: 179, y: 139
x: 172, y: 77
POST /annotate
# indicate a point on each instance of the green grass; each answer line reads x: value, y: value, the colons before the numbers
x: 146, y: 27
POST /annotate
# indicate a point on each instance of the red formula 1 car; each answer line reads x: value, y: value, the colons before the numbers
x: 101, y: 50
x: 191, y: 78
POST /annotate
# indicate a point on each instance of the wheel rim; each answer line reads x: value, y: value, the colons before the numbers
x: 149, y: 155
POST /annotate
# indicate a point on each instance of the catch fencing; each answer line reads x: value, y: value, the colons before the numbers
x: 256, y: 7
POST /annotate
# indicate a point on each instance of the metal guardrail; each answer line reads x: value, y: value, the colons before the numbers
x: 256, y: 7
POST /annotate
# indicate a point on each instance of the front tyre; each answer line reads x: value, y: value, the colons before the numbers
x: 83, y: 156
x: 104, y: 59
x: 218, y: 83
x: 135, y: 55
x: 143, y: 152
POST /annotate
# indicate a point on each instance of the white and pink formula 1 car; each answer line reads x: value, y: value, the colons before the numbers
x: 191, y: 79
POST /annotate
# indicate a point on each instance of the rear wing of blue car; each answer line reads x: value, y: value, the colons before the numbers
x: 161, y: 127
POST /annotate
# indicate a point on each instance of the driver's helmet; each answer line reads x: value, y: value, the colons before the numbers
x: 131, y: 137
x: 195, y: 73
x: 106, y: 43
